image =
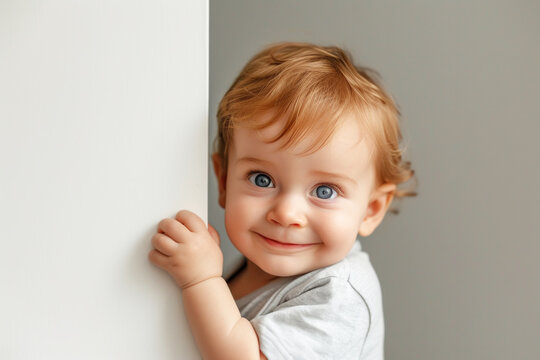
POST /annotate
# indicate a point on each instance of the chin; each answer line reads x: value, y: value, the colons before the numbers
x: 283, y: 270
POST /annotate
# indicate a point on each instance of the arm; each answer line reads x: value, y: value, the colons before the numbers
x: 190, y: 253
x: 218, y: 328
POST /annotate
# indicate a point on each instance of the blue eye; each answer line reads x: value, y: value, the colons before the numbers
x: 261, y: 180
x: 325, y: 192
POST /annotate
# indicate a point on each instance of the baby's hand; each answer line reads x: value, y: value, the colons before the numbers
x: 188, y: 251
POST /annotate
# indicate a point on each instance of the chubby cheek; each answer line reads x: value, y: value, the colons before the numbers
x: 241, y: 214
x: 338, y: 232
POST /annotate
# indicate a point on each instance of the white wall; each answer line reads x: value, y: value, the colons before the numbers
x: 103, y: 132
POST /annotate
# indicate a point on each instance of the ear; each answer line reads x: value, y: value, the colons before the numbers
x: 378, y: 205
x: 221, y: 176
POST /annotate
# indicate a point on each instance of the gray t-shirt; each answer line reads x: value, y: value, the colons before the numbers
x: 330, y: 313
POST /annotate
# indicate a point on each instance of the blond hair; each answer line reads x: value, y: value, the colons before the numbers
x: 312, y: 87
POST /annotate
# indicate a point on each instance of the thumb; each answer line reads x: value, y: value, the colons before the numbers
x: 213, y: 233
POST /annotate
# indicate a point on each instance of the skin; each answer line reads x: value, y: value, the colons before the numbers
x: 289, y: 213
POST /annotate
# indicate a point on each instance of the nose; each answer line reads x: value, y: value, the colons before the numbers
x: 287, y: 211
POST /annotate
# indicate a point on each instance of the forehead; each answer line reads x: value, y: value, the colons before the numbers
x: 348, y: 150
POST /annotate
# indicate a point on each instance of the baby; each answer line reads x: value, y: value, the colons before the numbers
x: 307, y: 158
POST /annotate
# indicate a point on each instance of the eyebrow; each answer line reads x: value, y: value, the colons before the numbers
x: 335, y: 176
x: 314, y: 172
x: 255, y: 160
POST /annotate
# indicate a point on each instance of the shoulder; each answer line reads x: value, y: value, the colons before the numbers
x: 353, y: 279
x: 327, y: 313
x: 349, y: 290
x: 333, y: 310
x: 354, y: 275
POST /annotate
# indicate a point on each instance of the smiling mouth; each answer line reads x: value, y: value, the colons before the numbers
x: 283, y: 245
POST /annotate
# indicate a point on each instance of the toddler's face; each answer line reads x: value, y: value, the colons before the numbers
x: 290, y: 213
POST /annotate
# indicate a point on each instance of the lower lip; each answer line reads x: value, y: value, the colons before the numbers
x: 281, y: 245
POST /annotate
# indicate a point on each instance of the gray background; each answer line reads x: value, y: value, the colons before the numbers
x: 459, y: 265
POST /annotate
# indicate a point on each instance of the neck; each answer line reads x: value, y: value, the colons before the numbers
x: 249, y: 280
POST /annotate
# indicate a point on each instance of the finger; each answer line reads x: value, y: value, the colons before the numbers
x: 164, y: 244
x: 158, y: 259
x: 191, y: 221
x: 213, y: 233
x: 172, y: 229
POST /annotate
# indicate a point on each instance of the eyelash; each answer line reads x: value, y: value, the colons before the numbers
x: 334, y: 186
x: 254, y: 172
